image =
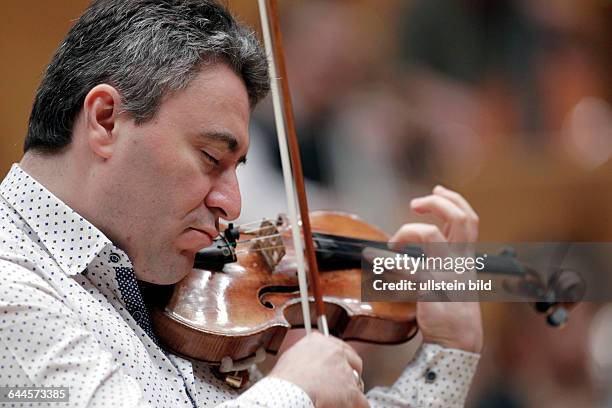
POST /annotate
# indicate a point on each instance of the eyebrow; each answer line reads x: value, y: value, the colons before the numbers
x: 226, y: 138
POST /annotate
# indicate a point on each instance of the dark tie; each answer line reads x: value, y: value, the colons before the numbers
x: 132, y: 296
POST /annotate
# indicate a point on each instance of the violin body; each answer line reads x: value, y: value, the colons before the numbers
x: 211, y: 315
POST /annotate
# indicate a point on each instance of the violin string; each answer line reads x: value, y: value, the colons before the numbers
x: 252, y: 222
x: 244, y: 241
x: 245, y: 251
x: 335, y: 251
x: 252, y: 231
x: 256, y: 230
x: 246, y: 224
x: 356, y: 244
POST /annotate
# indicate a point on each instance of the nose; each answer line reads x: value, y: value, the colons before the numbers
x: 224, y: 197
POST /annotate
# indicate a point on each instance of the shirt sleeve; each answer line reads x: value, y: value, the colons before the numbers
x: 42, y: 343
x: 271, y: 392
x: 438, y: 377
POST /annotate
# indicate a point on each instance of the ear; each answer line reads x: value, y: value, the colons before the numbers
x: 101, y: 108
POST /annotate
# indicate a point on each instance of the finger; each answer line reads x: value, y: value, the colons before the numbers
x: 457, y: 199
x: 312, y: 336
x: 461, y: 226
x: 441, y: 207
x: 416, y: 233
x: 370, y: 253
x: 429, y: 236
x: 353, y: 359
x: 360, y: 399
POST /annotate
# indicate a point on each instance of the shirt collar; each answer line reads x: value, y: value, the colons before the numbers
x: 68, y: 237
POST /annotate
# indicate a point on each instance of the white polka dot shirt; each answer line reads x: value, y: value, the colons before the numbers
x: 71, y: 315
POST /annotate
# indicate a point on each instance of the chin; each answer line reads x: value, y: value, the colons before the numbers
x: 185, y: 266
x: 182, y: 268
x: 172, y: 271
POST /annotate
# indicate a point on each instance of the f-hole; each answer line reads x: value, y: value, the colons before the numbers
x: 275, y: 289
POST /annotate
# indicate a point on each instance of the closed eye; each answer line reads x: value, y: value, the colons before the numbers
x: 210, y: 158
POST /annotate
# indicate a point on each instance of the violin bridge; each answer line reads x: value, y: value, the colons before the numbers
x: 270, y: 243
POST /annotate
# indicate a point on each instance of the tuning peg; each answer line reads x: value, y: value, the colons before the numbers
x: 558, y: 318
x: 543, y: 307
x: 568, y: 285
x: 546, y: 302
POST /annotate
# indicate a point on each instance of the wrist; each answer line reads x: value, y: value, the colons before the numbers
x: 470, y: 342
x: 294, y: 380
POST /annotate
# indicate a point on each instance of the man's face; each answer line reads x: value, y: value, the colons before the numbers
x: 172, y: 178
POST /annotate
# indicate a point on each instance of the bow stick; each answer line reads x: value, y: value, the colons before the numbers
x: 291, y: 164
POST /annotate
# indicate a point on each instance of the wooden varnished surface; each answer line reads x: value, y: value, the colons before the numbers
x: 246, y: 307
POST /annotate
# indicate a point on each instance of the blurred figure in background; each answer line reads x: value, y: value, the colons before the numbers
x: 323, y: 75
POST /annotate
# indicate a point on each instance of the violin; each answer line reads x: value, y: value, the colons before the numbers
x: 253, y: 301
x: 243, y: 294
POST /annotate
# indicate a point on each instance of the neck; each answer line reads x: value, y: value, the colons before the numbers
x: 62, y: 176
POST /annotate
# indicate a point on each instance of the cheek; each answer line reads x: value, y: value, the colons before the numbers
x: 168, y: 173
x: 151, y: 172
x: 170, y: 163
x: 184, y: 179
x: 192, y: 193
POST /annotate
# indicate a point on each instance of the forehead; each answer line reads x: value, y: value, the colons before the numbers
x: 215, y: 100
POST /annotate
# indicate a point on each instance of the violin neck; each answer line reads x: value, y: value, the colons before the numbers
x: 337, y: 252
x: 334, y: 252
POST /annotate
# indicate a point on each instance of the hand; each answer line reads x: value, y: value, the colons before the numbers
x: 323, y: 368
x: 449, y: 324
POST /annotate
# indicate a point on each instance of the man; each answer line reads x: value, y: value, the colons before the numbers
x: 130, y: 160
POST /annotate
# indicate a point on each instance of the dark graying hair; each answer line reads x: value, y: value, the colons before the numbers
x: 146, y: 49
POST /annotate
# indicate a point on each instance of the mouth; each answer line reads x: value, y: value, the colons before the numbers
x: 212, y: 232
x: 193, y: 239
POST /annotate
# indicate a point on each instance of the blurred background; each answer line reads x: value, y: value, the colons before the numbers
x: 508, y: 102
